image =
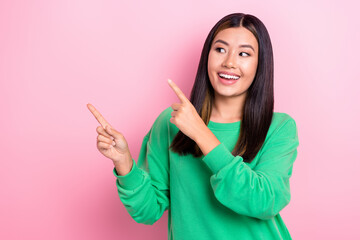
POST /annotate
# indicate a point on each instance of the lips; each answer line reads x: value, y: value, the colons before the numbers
x: 228, y: 74
x: 227, y: 82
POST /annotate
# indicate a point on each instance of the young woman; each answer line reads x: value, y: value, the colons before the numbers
x: 220, y: 162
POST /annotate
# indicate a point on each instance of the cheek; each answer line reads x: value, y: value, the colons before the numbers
x: 210, y: 62
x: 213, y: 61
x: 251, y: 67
x: 211, y: 66
x: 211, y: 72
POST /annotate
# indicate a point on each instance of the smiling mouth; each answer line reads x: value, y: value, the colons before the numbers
x: 228, y: 77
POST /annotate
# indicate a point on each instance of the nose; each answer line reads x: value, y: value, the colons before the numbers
x: 230, y: 61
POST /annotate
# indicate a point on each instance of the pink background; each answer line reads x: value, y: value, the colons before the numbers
x: 57, y: 56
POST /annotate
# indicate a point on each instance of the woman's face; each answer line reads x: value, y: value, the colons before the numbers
x: 232, y: 63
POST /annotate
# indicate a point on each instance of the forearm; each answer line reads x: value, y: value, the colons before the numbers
x: 250, y: 193
x: 144, y: 199
x: 206, y: 140
x: 260, y: 194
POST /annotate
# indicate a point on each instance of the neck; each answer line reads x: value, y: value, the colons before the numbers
x: 227, y: 109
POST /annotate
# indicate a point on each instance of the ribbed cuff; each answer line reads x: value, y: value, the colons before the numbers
x: 218, y: 158
x: 131, y: 180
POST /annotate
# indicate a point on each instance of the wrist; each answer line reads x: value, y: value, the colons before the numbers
x: 206, y: 140
x: 125, y: 166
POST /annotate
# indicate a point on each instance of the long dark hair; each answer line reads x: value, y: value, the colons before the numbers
x: 259, y: 103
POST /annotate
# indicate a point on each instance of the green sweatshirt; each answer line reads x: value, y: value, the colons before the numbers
x: 218, y: 196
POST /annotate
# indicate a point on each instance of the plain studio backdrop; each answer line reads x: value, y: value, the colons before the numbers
x: 57, y: 56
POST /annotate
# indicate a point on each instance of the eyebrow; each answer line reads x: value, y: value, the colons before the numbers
x: 241, y: 45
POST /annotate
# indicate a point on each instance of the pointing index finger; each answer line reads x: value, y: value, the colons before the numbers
x: 98, y: 116
x: 177, y: 91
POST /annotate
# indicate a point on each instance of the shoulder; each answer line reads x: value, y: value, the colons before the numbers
x: 279, y: 119
x: 165, y: 115
x: 282, y: 125
x: 162, y: 129
x: 162, y: 122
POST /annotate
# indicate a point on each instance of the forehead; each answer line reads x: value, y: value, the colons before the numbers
x: 237, y: 36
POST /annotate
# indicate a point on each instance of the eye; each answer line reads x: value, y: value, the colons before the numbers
x: 244, y: 55
x: 219, y: 49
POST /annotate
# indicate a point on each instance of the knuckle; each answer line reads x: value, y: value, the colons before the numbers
x: 103, y: 145
x: 174, y: 106
x: 99, y: 129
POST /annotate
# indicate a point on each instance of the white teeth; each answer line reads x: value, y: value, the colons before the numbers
x: 228, y: 76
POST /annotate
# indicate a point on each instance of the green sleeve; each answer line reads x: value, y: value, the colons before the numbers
x: 144, y: 191
x: 260, y: 192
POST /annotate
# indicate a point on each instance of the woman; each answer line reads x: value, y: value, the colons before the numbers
x: 221, y: 161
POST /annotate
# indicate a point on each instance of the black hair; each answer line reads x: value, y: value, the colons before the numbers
x: 259, y: 103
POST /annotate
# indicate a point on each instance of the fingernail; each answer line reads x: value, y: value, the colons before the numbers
x: 113, y: 143
x: 169, y: 80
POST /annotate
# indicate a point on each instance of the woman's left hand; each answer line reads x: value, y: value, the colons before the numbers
x: 185, y: 116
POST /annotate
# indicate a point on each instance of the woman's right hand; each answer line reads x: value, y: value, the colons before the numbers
x: 112, y: 144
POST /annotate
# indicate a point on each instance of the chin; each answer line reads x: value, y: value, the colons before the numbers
x: 229, y: 92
